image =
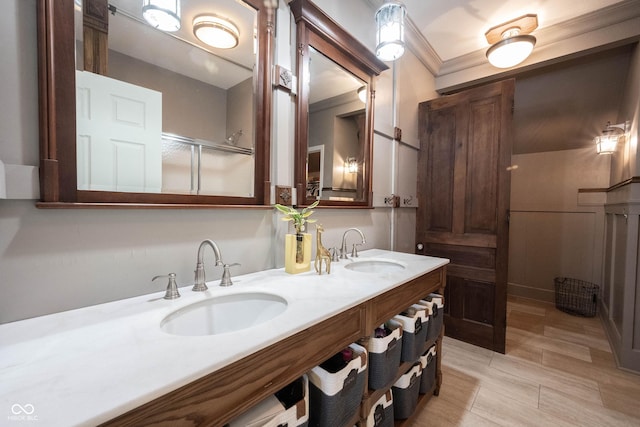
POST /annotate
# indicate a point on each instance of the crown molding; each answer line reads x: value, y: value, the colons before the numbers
x: 421, y: 48
x: 623, y: 14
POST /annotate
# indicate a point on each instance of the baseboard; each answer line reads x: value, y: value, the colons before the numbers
x: 615, y: 341
x: 518, y: 290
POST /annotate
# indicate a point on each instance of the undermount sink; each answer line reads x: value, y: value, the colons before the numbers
x: 375, y: 265
x: 223, y: 314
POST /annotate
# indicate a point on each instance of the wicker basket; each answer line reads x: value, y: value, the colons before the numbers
x: 576, y: 296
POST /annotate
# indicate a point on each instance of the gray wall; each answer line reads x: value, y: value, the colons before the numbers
x: 554, y: 230
x: 240, y: 112
x: 189, y: 107
x: 53, y: 260
x: 621, y: 289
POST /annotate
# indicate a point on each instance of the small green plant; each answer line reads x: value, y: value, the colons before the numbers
x: 299, y: 218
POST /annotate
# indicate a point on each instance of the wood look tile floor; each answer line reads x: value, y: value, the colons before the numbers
x: 558, y: 370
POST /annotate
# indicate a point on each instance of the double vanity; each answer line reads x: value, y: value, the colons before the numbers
x: 206, y: 356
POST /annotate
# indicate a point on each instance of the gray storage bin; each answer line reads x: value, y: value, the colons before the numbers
x: 384, y: 357
x: 381, y: 413
x: 405, y: 393
x: 414, y: 333
x: 435, y: 302
x: 428, y: 364
x: 334, y: 398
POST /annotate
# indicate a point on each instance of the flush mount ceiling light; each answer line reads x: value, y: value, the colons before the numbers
x: 216, y: 31
x: 162, y: 14
x: 608, y: 141
x: 390, y: 31
x: 511, y: 41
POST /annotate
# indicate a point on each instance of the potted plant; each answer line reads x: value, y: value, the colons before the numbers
x: 297, y: 247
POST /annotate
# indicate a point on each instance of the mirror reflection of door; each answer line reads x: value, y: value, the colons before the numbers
x: 336, y: 122
x: 207, y: 105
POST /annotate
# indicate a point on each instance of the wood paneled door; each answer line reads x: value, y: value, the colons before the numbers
x: 463, y: 191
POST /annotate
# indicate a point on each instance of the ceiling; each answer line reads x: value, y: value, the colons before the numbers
x: 563, y: 99
x: 130, y: 35
x: 565, y: 93
x: 456, y: 27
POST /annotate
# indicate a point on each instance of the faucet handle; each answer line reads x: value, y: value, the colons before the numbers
x: 334, y: 254
x: 172, y: 286
x: 226, y: 274
x: 354, y: 251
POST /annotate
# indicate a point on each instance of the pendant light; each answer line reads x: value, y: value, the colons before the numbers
x: 162, y: 14
x: 390, y: 31
x: 362, y: 94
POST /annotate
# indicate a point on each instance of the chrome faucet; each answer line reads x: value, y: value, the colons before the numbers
x: 199, y: 282
x: 343, y: 246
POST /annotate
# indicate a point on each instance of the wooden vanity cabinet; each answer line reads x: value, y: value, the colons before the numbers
x: 387, y: 305
x: 220, y: 396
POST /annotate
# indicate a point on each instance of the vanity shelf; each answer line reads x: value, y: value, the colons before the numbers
x: 220, y: 396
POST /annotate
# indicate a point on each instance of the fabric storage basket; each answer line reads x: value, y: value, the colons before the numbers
x: 405, y: 393
x: 289, y: 406
x: 384, y: 356
x: 428, y: 364
x: 414, y: 333
x: 381, y: 414
x: 436, y: 316
x: 575, y: 296
x: 334, y: 398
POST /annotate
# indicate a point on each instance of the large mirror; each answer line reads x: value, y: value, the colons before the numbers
x: 334, y: 112
x: 161, y: 117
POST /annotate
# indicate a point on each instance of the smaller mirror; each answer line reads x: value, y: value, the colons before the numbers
x: 337, y: 118
x: 334, y: 111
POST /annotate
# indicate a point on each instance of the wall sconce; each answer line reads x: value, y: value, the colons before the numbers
x: 390, y: 30
x: 362, y: 94
x: 511, y: 41
x: 611, y: 134
x: 216, y: 31
x: 162, y: 14
x: 352, y: 165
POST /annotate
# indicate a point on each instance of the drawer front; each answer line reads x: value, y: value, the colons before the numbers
x: 385, y: 306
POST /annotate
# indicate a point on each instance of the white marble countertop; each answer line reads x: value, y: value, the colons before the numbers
x: 87, y: 366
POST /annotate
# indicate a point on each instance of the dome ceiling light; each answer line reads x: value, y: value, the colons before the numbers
x: 511, y: 41
x: 216, y: 31
x: 162, y: 14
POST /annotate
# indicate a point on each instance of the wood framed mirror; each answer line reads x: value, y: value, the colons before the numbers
x: 334, y: 110
x: 63, y: 152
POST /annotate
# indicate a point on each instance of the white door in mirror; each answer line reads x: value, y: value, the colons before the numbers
x: 119, y: 128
